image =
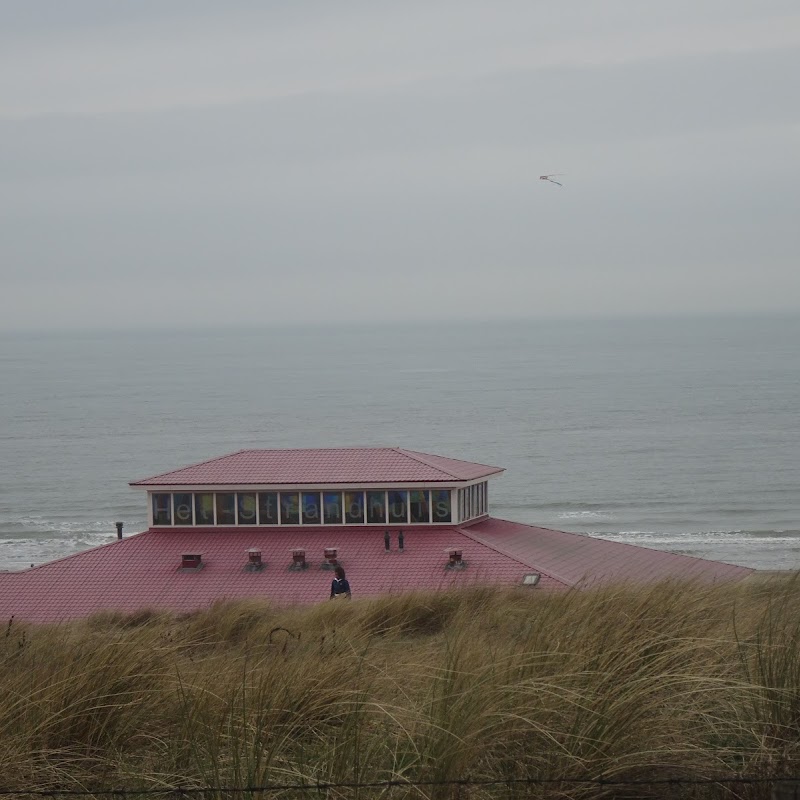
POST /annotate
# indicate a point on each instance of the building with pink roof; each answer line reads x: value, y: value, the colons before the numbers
x: 274, y: 524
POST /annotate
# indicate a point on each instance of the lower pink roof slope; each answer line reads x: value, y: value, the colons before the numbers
x: 577, y: 559
x: 144, y: 571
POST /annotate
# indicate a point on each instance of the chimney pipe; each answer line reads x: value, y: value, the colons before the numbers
x: 298, y: 560
x: 191, y: 561
x: 330, y: 558
x: 455, y: 559
x: 119, y: 529
x: 254, y: 562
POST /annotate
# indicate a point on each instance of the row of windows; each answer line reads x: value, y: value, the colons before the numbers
x: 473, y: 501
x: 377, y: 507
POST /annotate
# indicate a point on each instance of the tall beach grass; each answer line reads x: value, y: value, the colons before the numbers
x: 670, y: 682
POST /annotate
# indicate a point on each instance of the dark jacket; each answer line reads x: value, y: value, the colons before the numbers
x: 340, y: 586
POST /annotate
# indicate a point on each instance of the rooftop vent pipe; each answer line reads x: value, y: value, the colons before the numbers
x: 387, y: 541
x: 298, y: 560
x: 119, y: 529
x: 191, y: 561
x: 254, y: 562
x: 330, y: 558
x: 400, y: 540
x: 455, y: 559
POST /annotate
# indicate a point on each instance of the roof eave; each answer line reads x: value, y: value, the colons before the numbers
x: 444, y: 483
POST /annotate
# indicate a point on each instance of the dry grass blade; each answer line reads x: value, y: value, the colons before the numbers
x: 625, y: 683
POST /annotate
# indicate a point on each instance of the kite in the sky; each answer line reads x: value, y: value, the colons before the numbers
x: 550, y: 178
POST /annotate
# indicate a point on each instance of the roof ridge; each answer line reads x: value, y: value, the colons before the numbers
x: 413, y: 453
x: 514, y: 557
x: 310, y: 449
x: 415, y: 456
x: 192, y: 466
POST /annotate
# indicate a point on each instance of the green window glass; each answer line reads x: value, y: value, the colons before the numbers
x: 204, y: 509
x: 267, y: 508
x: 246, y: 506
x: 226, y: 508
x: 162, y: 509
x: 182, y: 508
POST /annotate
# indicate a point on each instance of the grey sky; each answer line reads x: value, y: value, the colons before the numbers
x: 199, y: 163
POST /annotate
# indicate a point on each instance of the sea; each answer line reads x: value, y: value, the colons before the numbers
x: 676, y: 433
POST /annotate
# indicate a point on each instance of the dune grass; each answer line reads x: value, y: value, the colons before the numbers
x: 671, y: 681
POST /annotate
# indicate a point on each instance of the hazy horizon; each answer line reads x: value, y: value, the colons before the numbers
x: 432, y: 322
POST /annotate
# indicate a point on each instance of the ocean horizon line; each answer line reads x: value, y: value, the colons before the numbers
x: 404, y: 323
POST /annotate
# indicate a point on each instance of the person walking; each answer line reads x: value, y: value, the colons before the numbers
x: 339, y: 585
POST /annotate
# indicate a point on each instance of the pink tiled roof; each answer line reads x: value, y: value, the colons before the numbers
x: 143, y: 571
x: 364, y: 465
x: 578, y: 559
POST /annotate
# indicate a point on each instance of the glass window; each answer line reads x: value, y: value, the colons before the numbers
x: 204, y: 509
x: 398, y: 506
x: 440, y: 502
x: 420, y: 506
x: 226, y: 508
x: 332, y: 508
x: 247, y: 509
x: 162, y: 509
x: 354, y: 507
x: 376, y: 507
x: 312, y: 512
x: 182, y: 508
x: 290, y: 508
x: 267, y: 508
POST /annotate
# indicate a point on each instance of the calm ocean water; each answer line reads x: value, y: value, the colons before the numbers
x: 681, y: 434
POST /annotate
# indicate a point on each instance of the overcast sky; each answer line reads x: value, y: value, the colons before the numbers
x: 187, y: 162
